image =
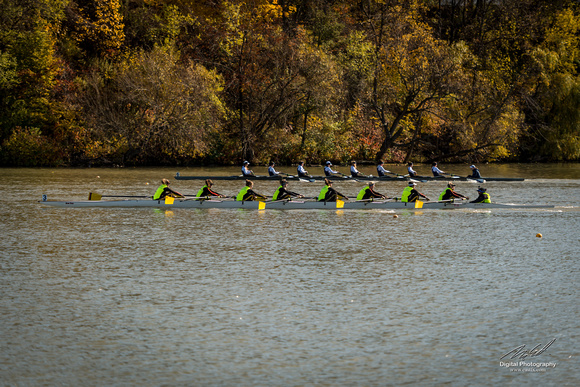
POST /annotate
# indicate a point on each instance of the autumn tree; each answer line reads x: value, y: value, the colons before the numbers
x: 97, y: 26
x: 152, y: 109
x: 552, y: 105
x: 269, y: 74
x: 30, y: 71
x: 412, y: 71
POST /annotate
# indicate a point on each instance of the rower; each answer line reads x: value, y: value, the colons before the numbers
x: 474, y: 172
x: 328, y: 171
x: 436, y: 171
x: 410, y: 194
x: 369, y: 193
x: 206, y: 191
x: 450, y: 194
x: 410, y: 170
x: 381, y: 170
x: 354, y: 172
x: 483, y: 196
x: 283, y: 193
x: 301, y: 171
x: 329, y: 194
x: 247, y: 172
x: 164, y: 191
x: 271, y: 170
x: 247, y: 194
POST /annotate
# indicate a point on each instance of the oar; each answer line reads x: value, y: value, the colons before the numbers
x: 362, y: 175
x: 301, y: 179
x: 193, y: 197
x: 396, y: 174
x: 96, y: 196
x: 417, y: 181
x: 380, y: 201
x: 451, y: 200
x: 414, y: 179
x: 348, y: 177
x: 292, y: 199
x: 344, y: 197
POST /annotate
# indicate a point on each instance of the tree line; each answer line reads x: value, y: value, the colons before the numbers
x: 190, y: 82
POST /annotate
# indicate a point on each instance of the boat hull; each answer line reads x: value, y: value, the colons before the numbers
x: 284, y: 205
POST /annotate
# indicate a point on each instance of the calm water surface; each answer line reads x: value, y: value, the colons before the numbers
x: 147, y: 297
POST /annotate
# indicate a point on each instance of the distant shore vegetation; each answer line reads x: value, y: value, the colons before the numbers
x: 196, y: 82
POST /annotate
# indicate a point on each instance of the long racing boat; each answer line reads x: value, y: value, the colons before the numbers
x: 178, y: 176
x: 171, y: 203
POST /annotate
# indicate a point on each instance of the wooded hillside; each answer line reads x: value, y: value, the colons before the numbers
x: 186, y: 82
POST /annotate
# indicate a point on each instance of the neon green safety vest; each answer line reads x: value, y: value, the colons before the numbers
x: 487, y: 198
x: 242, y: 193
x: 275, y: 197
x: 159, y: 192
x: 406, y: 193
x: 443, y: 193
x: 200, y: 192
x: 322, y: 195
x: 362, y: 192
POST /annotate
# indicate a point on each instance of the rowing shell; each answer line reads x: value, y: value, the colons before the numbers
x: 347, y: 178
x: 284, y: 205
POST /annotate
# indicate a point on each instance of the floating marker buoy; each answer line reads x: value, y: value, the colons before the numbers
x: 538, y: 235
x: 395, y: 216
x: 98, y: 177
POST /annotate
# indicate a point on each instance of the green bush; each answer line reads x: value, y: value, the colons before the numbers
x: 27, y: 147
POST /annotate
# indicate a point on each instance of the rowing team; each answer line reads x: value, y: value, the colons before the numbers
x: 327, y: 194
x: 354, y: 172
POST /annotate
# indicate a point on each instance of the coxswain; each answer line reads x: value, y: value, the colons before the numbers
x: 206, y: 191
x: 410, y: 170
x: 271, y: 170
x: 450, y: 194
x: 329, y: 194
x: 483, y: 196
x: 369, y: 193
x: 247, y: 172
x: 381, y: 171
x: 436, y: 171
x: 354, y: 172
x: 301, y: 171
x: 410, y: 194
x: 474, y: 172
x: 164, y: 191
x: 283, y: 193
x: 247, y: 194
x: 328, y: 171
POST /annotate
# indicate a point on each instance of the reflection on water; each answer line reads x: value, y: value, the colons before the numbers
x: 223, y: 297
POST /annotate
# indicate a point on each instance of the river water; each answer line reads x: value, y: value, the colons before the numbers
x: 146, y: 297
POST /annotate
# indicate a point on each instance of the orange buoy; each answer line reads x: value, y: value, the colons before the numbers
x: 538, y: 235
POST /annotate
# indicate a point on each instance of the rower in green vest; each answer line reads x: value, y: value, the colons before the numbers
x: 369, y: 193
x: 207, y: 192
x: 450, y: 194
x: 283, y: 193
x: 164, y: 191
x: 410, y: 194
x: 483, y: 196
x: 247, y: 194
x: 329, y: 194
